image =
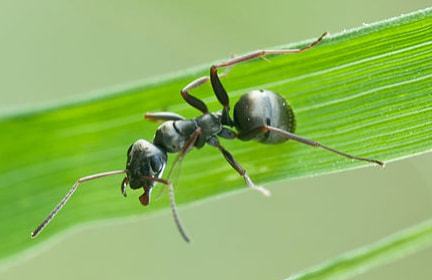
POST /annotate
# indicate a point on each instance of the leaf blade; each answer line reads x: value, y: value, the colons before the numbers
x: 366, y: 258
x: 372, y: 84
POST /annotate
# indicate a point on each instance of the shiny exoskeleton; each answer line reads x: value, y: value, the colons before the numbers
x: 260, y: 115
x: 259, y: 108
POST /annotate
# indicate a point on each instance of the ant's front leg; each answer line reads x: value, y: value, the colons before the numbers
x: 227, y: 133
x: 163, y: 116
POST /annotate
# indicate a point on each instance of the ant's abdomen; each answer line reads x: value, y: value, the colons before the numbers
x: 259, y: 108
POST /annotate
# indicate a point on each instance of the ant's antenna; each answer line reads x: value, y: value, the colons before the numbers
x: 175, y: 214
x: 173, y: 206
x: 65, y: 199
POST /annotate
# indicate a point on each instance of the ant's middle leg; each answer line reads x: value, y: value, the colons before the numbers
x: 227, y: 133
x: 234, y: 164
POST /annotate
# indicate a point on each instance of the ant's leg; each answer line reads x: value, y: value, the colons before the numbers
x: 173, y: 205
x: 192, y: 100
x: 163, y: 116
x: 65, y: 199
x: 227, y: 133
x: 262, y: 53
x: 214, y: 142
x: 292, y: 136
x: 221, y: 95
x: 220, y: 91
x: 186, y: 148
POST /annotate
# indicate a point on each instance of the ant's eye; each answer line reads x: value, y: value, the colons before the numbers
x: 156, y: 164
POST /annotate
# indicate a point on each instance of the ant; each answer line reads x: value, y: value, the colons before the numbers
x: 260, y: 115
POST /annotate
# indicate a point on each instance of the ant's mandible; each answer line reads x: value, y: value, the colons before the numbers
x: 260, y: 115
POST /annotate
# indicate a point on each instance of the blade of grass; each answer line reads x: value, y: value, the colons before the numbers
x: 364, y: 259
x: 367, y: 92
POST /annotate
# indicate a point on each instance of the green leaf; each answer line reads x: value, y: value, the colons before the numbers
x: 366, y: 92
x: 366, y: 258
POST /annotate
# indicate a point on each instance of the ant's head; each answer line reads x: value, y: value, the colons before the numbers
x: 144, y: 160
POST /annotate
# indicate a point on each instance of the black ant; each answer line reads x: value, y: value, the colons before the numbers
x: 259, y: 115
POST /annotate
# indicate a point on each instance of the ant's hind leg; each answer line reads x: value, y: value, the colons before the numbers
x: 219, y: 89
x: 315, y: 144
x: 263, y: 53
x: 221, y: 95
x: 192, y: 100
x: 163, y: 116
x: 234, y: 164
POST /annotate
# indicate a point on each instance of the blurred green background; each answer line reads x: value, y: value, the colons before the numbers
x: 55, y: 51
